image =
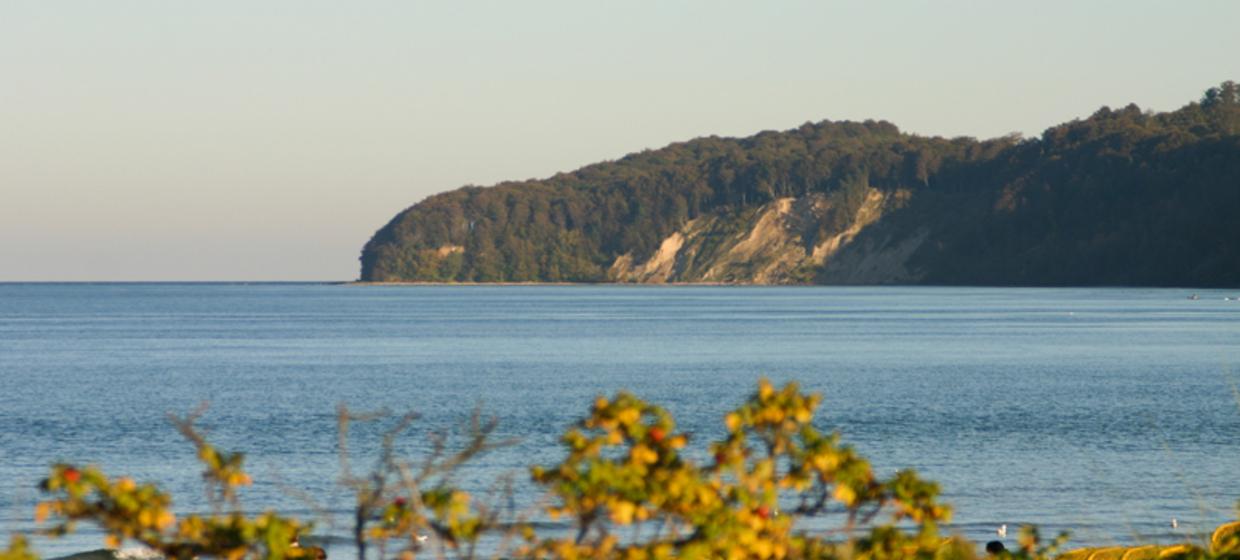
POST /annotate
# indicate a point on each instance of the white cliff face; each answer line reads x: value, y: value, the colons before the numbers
x: 778, y: 243
x: 658, y: 269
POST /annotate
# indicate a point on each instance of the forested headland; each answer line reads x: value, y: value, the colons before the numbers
x: 1123, y: 197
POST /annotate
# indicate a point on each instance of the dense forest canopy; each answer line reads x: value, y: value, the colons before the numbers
x: 1124, y: 197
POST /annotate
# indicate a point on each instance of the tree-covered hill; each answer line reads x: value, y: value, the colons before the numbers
x: 1124, y: 197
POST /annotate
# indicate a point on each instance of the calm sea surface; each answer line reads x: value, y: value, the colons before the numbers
x: 1106, y: 412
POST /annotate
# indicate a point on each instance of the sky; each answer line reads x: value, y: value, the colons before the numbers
x: 253, y: 141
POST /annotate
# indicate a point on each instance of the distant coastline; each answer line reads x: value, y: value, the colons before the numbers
x: 434, y: 283
x: 1125, y: 197
x: 414, y: 283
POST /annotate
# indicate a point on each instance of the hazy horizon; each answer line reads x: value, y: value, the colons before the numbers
x: 229, y: 141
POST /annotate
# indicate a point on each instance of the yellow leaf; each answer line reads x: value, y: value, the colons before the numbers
x: 845, y: 494
x: 765, y: 390
x: 629, y: 415
x: 643, y: 454
x: 622, y: 512
x: 111, y: 542
x: 826, y: 461
x: 733, y: 421
x: 41, y: 511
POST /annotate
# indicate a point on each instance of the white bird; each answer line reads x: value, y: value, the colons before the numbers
x: 1175, y: 524
x: 137, y: 553
x: 1002, y: 531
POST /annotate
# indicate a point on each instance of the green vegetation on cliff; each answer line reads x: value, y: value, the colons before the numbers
x: 1124, y: 197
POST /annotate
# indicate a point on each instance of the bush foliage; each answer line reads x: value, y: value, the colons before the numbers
x: 627, y: 486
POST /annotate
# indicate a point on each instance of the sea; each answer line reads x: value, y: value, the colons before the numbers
x: 1105, y: 412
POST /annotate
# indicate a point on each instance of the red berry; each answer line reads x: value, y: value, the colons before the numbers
x: 656, y: 434
x: 763, y: 512
x: 72, y: 475
x: 400, y: 502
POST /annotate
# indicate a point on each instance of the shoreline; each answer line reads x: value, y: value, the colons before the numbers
x: 368, y: 283
x: 636, y: 284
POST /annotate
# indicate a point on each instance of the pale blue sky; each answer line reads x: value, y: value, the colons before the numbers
x: 252, y: 140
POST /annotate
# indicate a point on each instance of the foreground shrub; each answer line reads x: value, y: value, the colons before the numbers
x: 624, y: 467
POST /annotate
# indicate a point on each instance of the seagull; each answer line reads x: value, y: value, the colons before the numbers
x: 1175, y: 524
x: 1002, y: 531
